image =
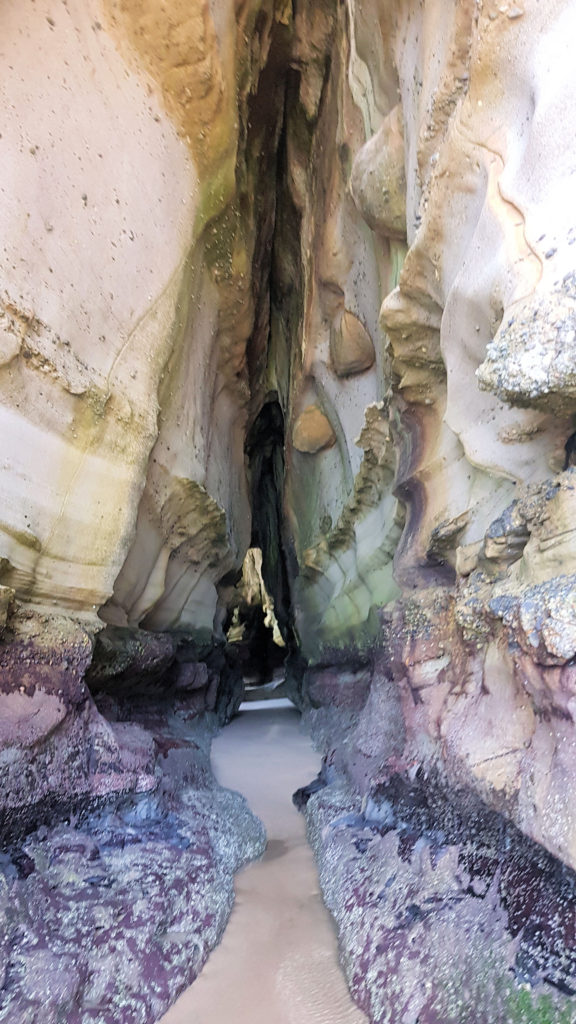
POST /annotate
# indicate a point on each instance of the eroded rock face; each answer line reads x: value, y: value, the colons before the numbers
x: 456, y: 516
x: 442, y: 908
x: 130, y: 341
x: 299, y: 278
x: 128, y: 304
x: 472, y: 659
x: 109, y: 916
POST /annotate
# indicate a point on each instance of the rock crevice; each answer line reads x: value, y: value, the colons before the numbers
x: 287, y: 371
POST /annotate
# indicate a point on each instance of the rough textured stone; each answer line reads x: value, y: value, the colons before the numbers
x: 378, y: 179
x: 444, y: 912
x: 464, y: 530
x: 108, y: 917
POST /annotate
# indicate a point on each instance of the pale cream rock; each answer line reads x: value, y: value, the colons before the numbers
x: 89, y: 289
x: 122, y: 340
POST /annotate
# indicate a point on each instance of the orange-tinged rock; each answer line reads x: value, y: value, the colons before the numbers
x: 351, y: 347
x: 312, y: 431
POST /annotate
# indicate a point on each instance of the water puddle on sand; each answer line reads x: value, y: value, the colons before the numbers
x: 278, y: 959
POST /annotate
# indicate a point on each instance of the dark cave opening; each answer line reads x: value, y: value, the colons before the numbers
x: 265, y: 451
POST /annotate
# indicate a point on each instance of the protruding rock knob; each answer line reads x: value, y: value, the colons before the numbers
x: 378, y: 180
x: 312, y: 431
x: 351, y: 347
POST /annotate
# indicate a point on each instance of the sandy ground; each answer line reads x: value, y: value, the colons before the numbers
x: 278, y: 960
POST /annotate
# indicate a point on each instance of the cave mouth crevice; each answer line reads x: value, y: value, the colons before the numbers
x: 252, y: 630
x: 266, y: 462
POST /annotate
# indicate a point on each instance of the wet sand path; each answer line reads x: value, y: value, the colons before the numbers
x: 278, y: 959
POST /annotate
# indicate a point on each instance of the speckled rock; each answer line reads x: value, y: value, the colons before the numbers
x: 441, y: 912
x: 107, y: 918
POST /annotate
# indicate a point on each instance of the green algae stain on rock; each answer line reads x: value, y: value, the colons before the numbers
x: 343, y: 576
x: 524, y: 1008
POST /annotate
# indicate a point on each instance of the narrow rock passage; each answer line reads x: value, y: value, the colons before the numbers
x: 278, y: 960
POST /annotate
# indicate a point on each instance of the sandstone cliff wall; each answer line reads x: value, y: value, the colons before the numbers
x: 132, y: 211
x: 426, y: 467
x: 348, y: 222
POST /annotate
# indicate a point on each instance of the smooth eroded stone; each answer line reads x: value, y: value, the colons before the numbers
x: 351, y: 347
x: 378, y: 181
x: 312, y: 431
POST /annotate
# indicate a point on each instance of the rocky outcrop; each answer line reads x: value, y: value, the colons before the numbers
x: 454, y: 514
x: 444, y: 911
x: 130, y: 330
x: 312, y: 431
x: 129, y: 305
x: 56, y: 750
x: 109, y: 915
x: 351, y: 347
x: 449, y: 583
x: 132, y: 146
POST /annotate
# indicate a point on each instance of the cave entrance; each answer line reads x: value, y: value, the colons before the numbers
x: 262, y: 620
x: 255, y: 627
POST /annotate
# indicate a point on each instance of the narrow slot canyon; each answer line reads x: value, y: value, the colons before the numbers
x: 287, y: 536
x: 278, y: 959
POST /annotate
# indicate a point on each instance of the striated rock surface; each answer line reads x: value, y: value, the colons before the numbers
x: 454, y: 515
x: 129, y: 304
x: 130, y: 333
x: 131, y: 147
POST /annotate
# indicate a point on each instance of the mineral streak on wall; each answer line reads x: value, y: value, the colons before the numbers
x: 358, y: 217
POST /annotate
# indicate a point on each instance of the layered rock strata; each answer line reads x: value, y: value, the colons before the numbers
x: 133, y: 139
x: 434, y: 592
x: 136, y: 225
